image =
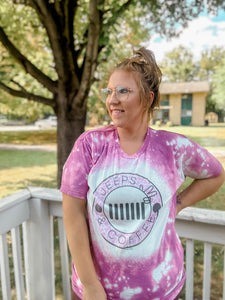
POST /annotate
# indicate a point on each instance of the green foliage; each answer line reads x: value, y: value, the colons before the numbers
x: 212, y: 65
x: 218, y: 85
x: 210, y: 60
x: 22, y: 109
x: 25, y: 29
x: 178, y: 65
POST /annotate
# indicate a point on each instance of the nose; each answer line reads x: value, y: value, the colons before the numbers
x: 113, y: 97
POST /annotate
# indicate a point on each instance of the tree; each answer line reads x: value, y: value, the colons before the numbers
x: 210, y: 60
x: 179, y: 66
x: 16, y: 109
x: 212, y: 69
x: 74, y: 37
x: 218, y: 85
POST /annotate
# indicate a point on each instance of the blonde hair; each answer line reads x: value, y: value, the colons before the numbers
x: 147, y: 75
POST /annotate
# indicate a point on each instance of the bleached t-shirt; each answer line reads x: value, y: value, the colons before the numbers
x: 131, y: 201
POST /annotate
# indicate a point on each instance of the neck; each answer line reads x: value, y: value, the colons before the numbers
x: 133, y: 134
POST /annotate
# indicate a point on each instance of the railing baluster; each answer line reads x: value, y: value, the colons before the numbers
x: 17, y: 259
x: 38, y: 252
x: 4, y: 266
x: 64, y: 260
x: 189, y: 269
x: 207, y: 271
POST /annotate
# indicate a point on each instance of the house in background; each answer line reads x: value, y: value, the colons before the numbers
x: 182, y: 103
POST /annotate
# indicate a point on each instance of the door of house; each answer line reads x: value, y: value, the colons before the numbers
x: 164, y: 105
x: 186, y: 109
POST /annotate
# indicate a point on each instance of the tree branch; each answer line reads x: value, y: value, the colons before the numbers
x: 90, y: 60
x: 71, y: 11
x: 26, y: 64
x: 57, y: 18
x: 25, y: 94
x: 118, y: 12
x: 110, y: 22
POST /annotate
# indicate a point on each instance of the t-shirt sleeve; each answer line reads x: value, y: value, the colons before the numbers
x: 196, y: 161
x: 76, y: 169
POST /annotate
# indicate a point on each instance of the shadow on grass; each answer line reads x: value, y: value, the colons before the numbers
x: 13, y: 158
x: 51, y: 182
x: 37, y: 137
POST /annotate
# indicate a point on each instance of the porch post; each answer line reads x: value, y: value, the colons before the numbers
x: 38, y: 252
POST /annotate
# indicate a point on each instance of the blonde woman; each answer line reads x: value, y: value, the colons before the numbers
x: 120, y: 198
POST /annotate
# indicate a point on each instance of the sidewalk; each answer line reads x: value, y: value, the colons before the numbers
x: 47, y: 148
x: 217, y: 153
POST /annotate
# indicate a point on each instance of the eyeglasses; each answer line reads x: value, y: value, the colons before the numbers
x: 122, y: 93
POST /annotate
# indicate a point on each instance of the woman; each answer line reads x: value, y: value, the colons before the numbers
x: 120, y: 193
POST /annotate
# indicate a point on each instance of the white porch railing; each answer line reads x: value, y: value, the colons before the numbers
x: 30, y: 215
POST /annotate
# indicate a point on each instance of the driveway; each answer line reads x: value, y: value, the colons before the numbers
x: 19, y: 128
x: 47, y: 148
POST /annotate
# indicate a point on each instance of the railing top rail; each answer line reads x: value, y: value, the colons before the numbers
x: 194, y: 214
x: 190, y: 213
x: 46, y: 193
x: 203, y: 215
x: 10, y: 201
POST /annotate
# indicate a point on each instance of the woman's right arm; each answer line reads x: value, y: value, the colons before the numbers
x: 74, y: 211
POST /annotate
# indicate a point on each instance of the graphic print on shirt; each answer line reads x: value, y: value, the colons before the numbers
x: 126, y: 207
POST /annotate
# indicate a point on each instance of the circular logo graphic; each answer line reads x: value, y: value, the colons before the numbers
x: 126, y: 207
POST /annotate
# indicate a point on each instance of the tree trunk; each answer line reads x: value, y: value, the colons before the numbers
x: 69, y: 128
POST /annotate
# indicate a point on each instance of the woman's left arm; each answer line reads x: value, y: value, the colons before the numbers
x: 198, y: 190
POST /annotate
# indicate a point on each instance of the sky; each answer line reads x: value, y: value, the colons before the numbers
x: 201, y: 33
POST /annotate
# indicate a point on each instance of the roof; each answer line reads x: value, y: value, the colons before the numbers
x: 184, y: 87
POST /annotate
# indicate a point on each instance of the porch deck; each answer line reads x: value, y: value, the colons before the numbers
x: 31, y: 215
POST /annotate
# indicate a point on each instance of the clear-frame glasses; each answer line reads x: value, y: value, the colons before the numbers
x: 122, y: 93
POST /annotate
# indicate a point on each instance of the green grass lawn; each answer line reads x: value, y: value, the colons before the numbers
x: 20, y: 169
x: 27, y: 159
x: 29, y: 137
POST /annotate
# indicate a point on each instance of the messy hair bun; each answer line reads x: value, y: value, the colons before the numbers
x: 143, y: 64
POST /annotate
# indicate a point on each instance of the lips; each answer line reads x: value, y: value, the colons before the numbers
x: 117, y: 111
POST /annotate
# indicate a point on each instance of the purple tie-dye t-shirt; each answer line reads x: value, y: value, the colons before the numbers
x: 131, y: 201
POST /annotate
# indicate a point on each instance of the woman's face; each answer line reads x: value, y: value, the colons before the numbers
x: 125, y: 110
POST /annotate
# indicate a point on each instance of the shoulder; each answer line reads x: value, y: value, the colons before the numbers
x: 106, y: 130
x: 166, y: 136
x: 171, y: 139
x: 98, y: 136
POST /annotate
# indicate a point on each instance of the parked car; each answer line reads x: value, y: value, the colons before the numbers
x: 3, y: 120
x: 50, y: 122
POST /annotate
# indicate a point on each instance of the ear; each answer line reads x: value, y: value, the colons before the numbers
x: 151, y: 98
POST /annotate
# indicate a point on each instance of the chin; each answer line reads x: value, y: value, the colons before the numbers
x: 118, y: 124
